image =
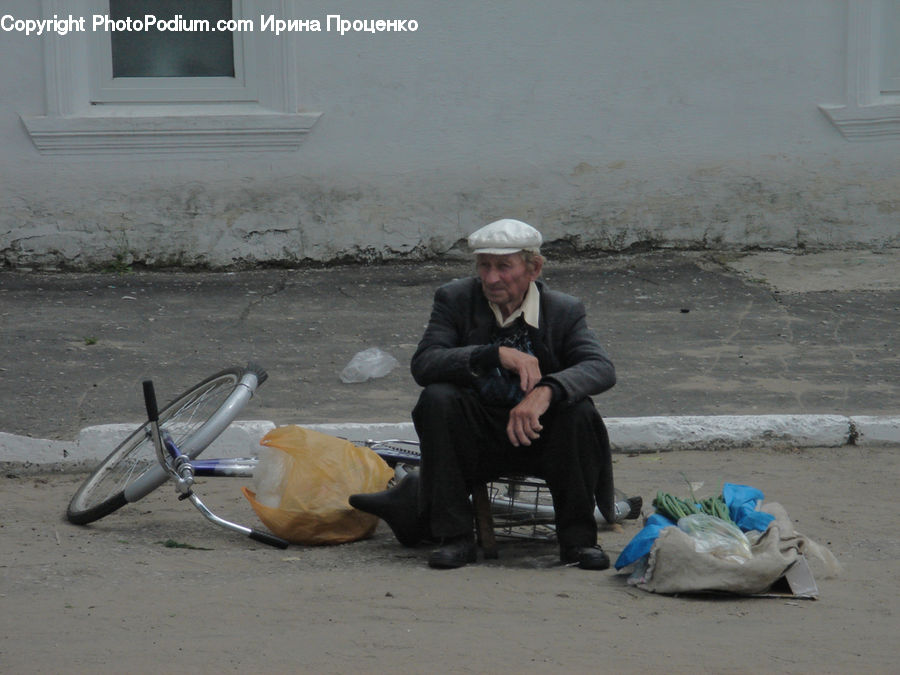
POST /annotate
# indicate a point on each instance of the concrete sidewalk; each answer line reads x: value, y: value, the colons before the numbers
x: 711, y: 349
x: 632, y: 435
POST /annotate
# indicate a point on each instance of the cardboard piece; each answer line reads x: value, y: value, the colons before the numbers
x: 797, y: 582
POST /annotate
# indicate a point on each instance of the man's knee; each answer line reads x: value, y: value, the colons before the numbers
x: 436, y: 401
x: 576, y: 429
x: 436, y: 395
x: 581, y: 413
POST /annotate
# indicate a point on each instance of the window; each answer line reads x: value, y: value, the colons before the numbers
x: 890, y: 41
x: 872, y: 110
x: 187, y: 90
x: 168, y: 54
x: 199, y: 63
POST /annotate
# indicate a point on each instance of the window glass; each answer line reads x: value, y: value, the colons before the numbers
x: 202, y: 52
x: 890, y: 41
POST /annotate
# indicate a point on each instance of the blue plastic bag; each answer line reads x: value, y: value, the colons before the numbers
x: 743, y: 502
x: 642, y: 542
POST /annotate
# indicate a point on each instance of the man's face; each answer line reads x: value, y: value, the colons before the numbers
x: 505, y: 278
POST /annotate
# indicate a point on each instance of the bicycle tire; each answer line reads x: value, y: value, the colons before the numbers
x: 194, y: 419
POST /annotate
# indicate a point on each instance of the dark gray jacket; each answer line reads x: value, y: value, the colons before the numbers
x: 453, y: 346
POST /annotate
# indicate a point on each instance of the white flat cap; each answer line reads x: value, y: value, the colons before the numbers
x: 505, y: 236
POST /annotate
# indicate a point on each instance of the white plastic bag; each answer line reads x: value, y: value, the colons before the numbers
x: 272, y: 470
x: 717, y: 537
x: 368, y: 364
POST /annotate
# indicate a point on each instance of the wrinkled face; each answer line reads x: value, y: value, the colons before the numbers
x: 505, y: 278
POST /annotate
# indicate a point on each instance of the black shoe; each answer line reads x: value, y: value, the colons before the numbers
x: 630, y: 509
x: 587, y: 557
x: 454, y: 552
x: 626, y: 508
x: 634, y: 507
x: 398, y: 507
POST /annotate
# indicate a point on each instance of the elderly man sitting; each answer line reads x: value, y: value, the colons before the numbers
x: 507, y: 367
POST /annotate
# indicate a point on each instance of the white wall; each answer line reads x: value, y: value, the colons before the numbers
x: 606, y: 123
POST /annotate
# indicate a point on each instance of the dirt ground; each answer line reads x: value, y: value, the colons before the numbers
x: 113, y: 597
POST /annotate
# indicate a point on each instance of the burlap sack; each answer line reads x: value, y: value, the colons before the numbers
x: 675, y: 566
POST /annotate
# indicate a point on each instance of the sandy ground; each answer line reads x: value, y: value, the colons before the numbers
x: 113, y: 598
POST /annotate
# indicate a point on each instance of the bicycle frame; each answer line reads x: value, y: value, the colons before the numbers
x: 515, y: 505
x: 523, y: 503
x: 521, y: 507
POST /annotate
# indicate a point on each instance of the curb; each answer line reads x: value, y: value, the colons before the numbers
x: 628, y: 435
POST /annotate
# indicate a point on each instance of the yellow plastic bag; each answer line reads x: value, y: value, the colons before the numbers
x: 323, y: 473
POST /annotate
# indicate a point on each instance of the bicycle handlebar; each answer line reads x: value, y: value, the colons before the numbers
x: 150, y: 401
x: 266, y: 538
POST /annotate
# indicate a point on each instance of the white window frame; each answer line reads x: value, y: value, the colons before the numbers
x: 871, y: 111
x: 76, y: 123
x: 107, y: 89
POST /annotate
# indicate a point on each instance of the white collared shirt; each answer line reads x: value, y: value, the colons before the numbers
x: 530, y: 309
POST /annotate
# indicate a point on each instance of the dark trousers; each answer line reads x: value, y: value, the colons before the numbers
x: 464, y: 442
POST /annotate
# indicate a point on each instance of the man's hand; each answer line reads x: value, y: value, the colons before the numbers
x: 524, y: 423
x: 524, y: 365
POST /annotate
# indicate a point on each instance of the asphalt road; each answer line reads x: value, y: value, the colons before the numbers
x: 690, y: 334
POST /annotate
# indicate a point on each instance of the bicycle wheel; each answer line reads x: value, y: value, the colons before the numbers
x: 193, y: 420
